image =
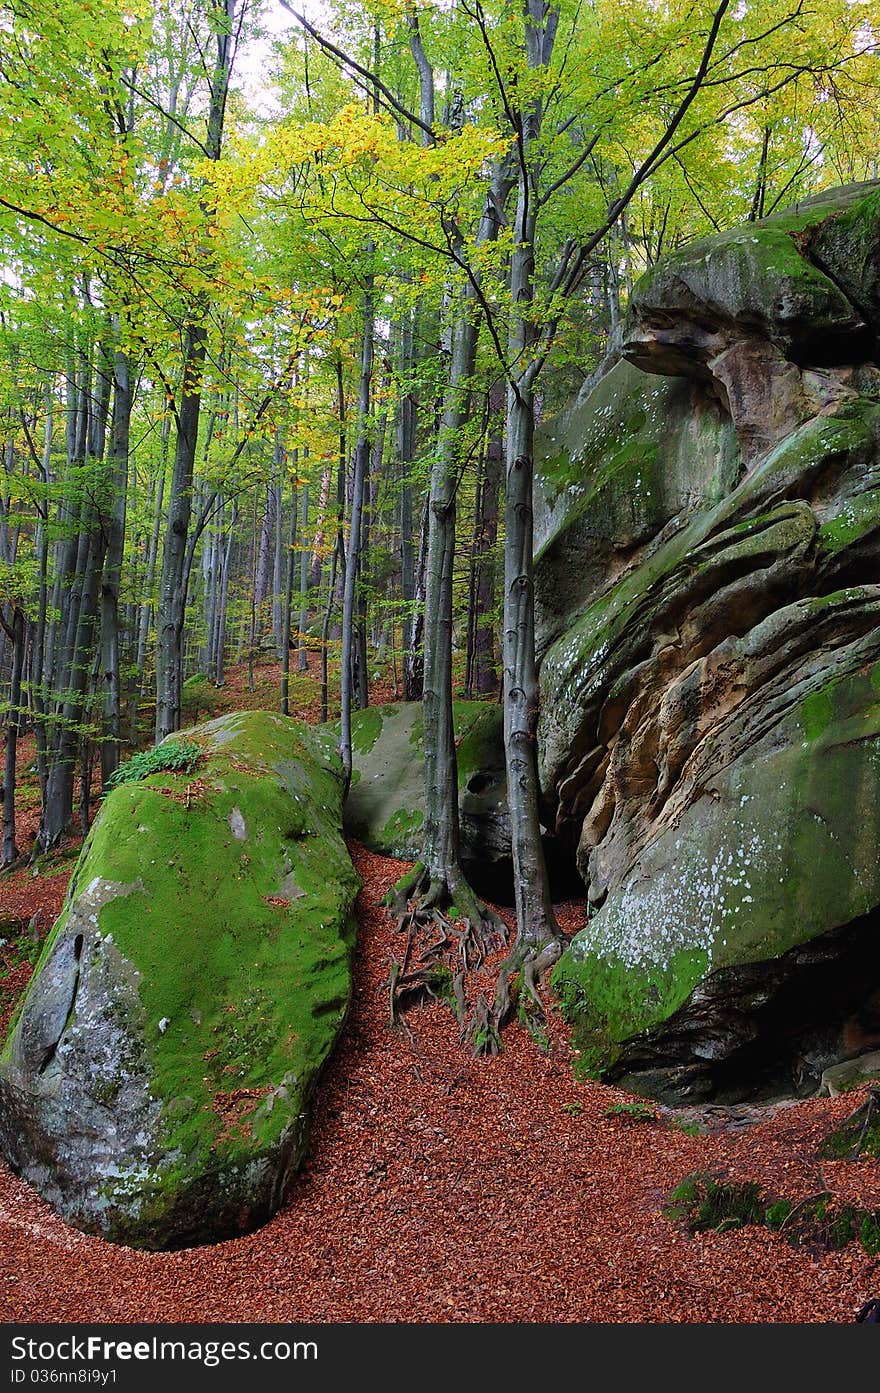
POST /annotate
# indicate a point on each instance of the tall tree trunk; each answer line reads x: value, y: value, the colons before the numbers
x: 288, y: 600
x: 172, y: 592
x: 440, y: 868
x: 219, y: 656
x: 337, y: 559
x: 58, y: 808
x: 482, y: 672
x: 172, y: 588
x: 9, y: 850
x: 361, y: 462
x: 114, y: 527
x: 304, y: 555
x: 279, y: 569
x: 38, y: 647
x: 536, y: 922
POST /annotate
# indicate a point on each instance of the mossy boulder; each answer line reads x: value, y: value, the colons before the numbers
x: 612, y: 471
x: 709, y: 736
x: 758, y: 280
x: 385, y: 808
x: 155, y: 1084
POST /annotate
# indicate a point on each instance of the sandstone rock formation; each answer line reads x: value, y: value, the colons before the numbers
x: 155, y: 1086
x: 709, y: 632
x: 385, y: 806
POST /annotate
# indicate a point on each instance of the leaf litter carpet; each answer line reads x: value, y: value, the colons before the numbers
x: 443, y: 1188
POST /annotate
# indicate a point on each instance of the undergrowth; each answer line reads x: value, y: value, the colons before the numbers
x: 706, y: 1202
x: 175, y: 756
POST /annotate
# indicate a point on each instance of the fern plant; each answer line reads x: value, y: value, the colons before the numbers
x: 174, y: 756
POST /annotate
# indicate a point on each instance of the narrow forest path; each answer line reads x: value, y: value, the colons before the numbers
x: 442, y: 1188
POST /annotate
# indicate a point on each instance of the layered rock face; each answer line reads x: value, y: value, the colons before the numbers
x: 155, y: 1086
x: 709, y: 633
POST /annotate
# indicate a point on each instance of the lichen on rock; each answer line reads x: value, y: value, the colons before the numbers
x: 710, y: 731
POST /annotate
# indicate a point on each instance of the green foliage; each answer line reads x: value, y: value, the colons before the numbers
x: 632, y: 1112
x: 690, y: 1129
x: 706, y: 1202
x: 173, y: 756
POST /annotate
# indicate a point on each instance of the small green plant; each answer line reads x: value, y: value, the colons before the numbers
x: 690, y: 1129
x: 703, y: 1201
x: 175, y: 756
x: 632, y: 1112
x: 573, y: 1109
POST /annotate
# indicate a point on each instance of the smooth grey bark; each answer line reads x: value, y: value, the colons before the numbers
x: 261, y: 569
x: 414, y: 657
x: 361, y: 463
x: 279, y: 569
x: 146, y: 609
x: 172, y: 587
x: 113, y: 523
x: 38, y: 646
x: 172, y: 590
x: 536, y: 922
x: 222, y: 607
x: 58, y: 806
x: 304, y: 556
x: 405, y: 449
x: 317, y: 563
x: 286, y: 625
x: 441, y: 833
x: 482, y: 677
x: 9, y: 849
x: 441, y: 854
x: 337, y: 559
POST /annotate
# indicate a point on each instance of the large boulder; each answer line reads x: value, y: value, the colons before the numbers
x: 710, y: 677
x: 385, y: 807
x: 155, y: 1084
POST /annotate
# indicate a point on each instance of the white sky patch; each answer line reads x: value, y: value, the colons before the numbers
x: 253, y: 63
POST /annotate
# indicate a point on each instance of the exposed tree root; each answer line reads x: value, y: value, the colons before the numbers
x: 858, y: 1123
x: 449, y: 935
x: 517, y: 991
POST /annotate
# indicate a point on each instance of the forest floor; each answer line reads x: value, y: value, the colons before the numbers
x: 441, y: 1188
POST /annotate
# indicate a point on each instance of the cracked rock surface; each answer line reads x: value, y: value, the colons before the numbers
x: 710, y: 665
x: 155, y: 1085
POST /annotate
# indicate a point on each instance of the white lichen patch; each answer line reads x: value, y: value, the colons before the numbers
x: 679, y: 908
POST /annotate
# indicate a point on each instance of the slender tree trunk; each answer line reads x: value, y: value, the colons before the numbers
x: 146, y: 610
x: 172, y: 589
x: 288, y: 602
x: 536, y: 922
x: 38, y: 650
x: 58, y: 808
x: 223, y: 603
x: 172, y: 592
x: 483, y: 673
x: 441, y: 853
x: 114, y: 525
x: 9, y: 848
x: 302, y: 657
x: 361, y: 462
x: 279, y: 570
x: 337, y: 560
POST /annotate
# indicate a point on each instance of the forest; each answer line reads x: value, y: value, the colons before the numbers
x: 439, y: 657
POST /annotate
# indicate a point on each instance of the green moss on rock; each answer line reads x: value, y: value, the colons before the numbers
x: 385, y: 804
x: 194, y: 983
